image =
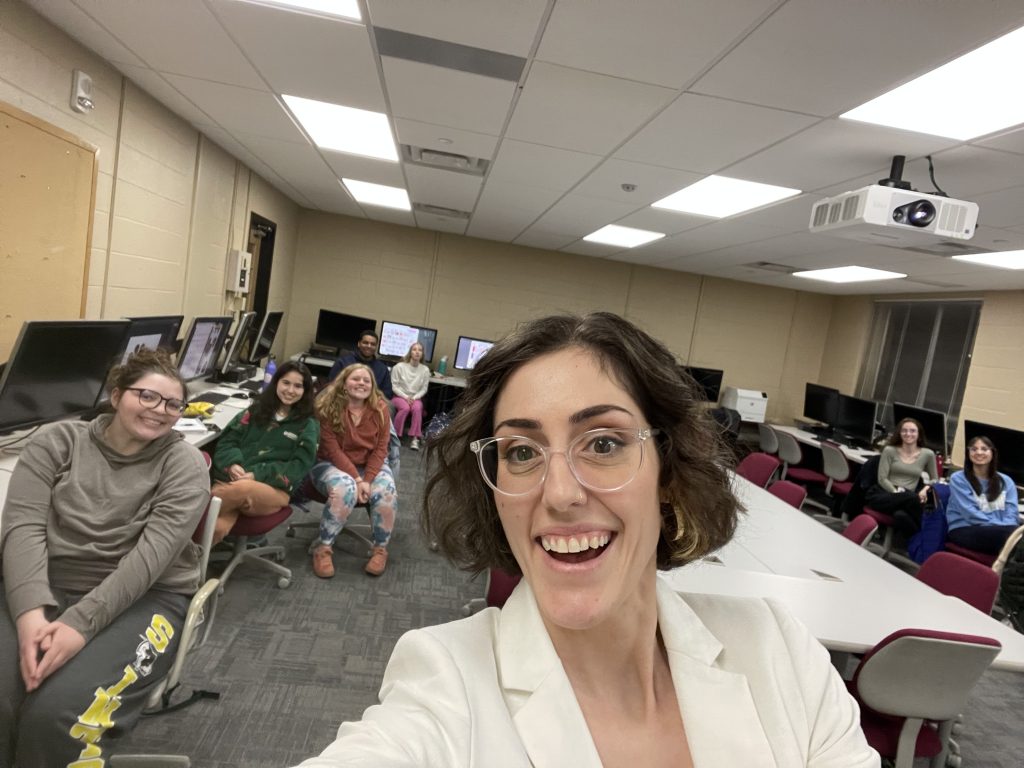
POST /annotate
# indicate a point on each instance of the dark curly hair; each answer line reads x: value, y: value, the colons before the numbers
x: 895, y: 439
x: 699, y: 510
x: 267, y: 402
x: 141, y: 363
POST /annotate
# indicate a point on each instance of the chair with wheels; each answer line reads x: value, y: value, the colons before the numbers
x: 767, y: 439
x: 912, y: 685
x: 861, y: 530
x: 883, y: 520
x: 792, y: 456
x: 499, y: 587
x: 836, y: 469
x: 308, y: 492
x: 758, y: 468
x: 959, y: 577
x: 791, y: 493
x: 979, y: 557
x: 265, y: 556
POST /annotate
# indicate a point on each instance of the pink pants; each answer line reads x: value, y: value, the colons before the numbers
x: 402, y: 410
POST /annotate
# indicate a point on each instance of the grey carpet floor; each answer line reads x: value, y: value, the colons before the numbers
x: 292, y: 664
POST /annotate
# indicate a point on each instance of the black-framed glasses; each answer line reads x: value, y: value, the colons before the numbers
x: 151, y: 399
x: 600, y: 459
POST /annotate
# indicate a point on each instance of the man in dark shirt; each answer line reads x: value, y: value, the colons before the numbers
x: 366, y: 353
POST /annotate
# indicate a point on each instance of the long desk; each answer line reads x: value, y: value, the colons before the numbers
x: 857, y: 455
x: 849, y: 598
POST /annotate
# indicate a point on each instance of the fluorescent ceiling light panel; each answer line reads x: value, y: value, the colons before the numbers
x: 1000, y: 259
x: 344, y: 9
x: 971, y: 96
x: 849, y: 274
x: 345, y: 129
x: 627, y: 237
x: 720, y: 196
x: 378, y: 194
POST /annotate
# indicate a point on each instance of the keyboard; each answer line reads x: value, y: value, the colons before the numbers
x: 251, y: 386
x: 209, y: 397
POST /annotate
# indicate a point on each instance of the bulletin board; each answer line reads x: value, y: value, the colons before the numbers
x: 47, y: 199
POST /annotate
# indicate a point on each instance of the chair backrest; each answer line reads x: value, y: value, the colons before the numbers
x: 957, y: 576
x: 499, y: 586
x: 791, y: 493
x: 1008, y: 547
x: 921, y: 673
x: 834, y: 463
x: 789, y: 448
x: 861, y: 529
x: 766, y: 435
x: 758, y: 468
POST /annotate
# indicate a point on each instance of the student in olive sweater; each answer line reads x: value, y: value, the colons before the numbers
x: 265, y: 452
x: 98, y: 569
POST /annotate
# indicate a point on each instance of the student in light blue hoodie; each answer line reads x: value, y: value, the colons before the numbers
x: 982, y: 508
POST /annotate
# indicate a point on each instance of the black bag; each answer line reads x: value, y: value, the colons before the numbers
x: 1011, y: 586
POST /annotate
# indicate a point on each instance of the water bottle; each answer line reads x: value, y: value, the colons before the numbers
x: 269, y: 373
x: 442, y: 366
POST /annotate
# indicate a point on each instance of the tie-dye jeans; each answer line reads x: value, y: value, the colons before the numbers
x: 340, y: 490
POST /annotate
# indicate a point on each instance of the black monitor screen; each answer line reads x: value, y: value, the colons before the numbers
x: 855, y: 418
x: 708, y: 379
x: 199, y: 353
x: 395, y: 339
x: 240, y: 335
x: 158, y: 332
x: 334, y: 329
x: 932, y: 422
x: 821, y: 403
x: 57, y: 369
x: 263, y: 340
x: 1009, y: 444
x: 469, y: 351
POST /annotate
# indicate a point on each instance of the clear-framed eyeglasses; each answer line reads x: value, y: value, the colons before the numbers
x: 600, y: 459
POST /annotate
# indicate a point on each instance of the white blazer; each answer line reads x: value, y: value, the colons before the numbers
x: 754, y: 689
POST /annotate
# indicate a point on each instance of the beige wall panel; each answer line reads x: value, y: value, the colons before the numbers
x: 847, y: 342
x: 136, y: 303
x: 211, y: 231
x: 664, y: 303
x: 807, y: 338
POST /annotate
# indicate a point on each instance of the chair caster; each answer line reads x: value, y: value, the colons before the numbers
x: 954, y: 761
x: 290, y: 533
x: 220, y: 590
x: 283, y: 583
x: 278, y: 557
x: 433, y: 546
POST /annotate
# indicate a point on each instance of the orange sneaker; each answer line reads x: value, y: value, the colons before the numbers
x: 323, y: 562
x: 378, y: 561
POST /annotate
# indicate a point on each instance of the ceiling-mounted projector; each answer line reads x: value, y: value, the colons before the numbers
x: 890, y: 213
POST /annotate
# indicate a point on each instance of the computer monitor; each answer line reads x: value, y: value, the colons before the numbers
x: 239, y: 337
x: 1008, y: 442
x: 156, y: 332
x: 469, y: 351
x: 395, y: 339
x: 855, y: 419
x: 202, y: 346
x: 821, y: 403
x: 932, y: 422
x: 339, y: 331
x: 262, y: 341
x: 57, y: 369
x: 708, y: 379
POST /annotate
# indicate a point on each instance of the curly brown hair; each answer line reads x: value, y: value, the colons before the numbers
x: 141, y: 363
x: 699, y: 510
x: 896, y: 439
x: 333, y: 400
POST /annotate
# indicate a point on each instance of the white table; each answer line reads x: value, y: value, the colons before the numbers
x: 857, y: 455
x: 849, y: 598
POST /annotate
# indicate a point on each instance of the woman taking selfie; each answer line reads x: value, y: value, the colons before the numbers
x: 982, y: 508
x: 98, y: 569
x: 581, y: 460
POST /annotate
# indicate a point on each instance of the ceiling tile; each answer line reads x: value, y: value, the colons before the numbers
x: 583, y: 111
x: 535, y: 237
x: 446, y: 97
x: 390, y: 215
x: 688, y: 36
x: 239, y: 109
x: 580, y: 215
x: 597, y: 250
x: 660, y: 220
x: 1009, y: 141
x: 704, y: 134
x: 445, y: 138
x: 534, y: 165
x: 365, y: 169
x: 303, y: 55
x: 1000, y: 209
x: 83, y: 28
x: 504, y: 210
x: 153, y: 83
x: 444, y: 188
x: 441, y: 223
x: 966, y: 171
x: 496, y: 25
x: 651, y: 181
x: 823, y: 58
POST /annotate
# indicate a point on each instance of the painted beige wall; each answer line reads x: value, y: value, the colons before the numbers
x: 169, y: 202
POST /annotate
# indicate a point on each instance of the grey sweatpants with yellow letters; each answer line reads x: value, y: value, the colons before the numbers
x: 95, y: 697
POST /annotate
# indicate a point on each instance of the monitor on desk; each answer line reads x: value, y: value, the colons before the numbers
x: 821, y: 403
x: 202, y: 346
x: 339, y: 332
x: 240, y: 336
x: 395, y: 339
x: 57, y: 369
x: 855, y: 419
x: 262, y: 341
x: 709, y: 381
x: 157, y: 332
x: 1008, y: 442
x: 932, y: 422
x: 468, y: 351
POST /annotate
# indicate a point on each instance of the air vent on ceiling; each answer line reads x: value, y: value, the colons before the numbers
x: 446, y: 161
x: 440, y: 210
x: 768, y: 266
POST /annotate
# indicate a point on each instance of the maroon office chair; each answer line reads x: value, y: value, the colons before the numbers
x: 792, y: 456
x: 979, y: 557
x: 267, y: 556
x: 861, y: 530
x: 959, y: 577
x: 912, y: 685
x: 500, y: 586
x: 836, y: 468
x: 883, y: 520
x: 758, y: 468
x: 791, y: 493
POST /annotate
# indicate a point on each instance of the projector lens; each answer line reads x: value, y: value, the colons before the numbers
x: 919, y: 213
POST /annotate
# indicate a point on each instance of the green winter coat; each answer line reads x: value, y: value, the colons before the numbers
x: 279, y: 454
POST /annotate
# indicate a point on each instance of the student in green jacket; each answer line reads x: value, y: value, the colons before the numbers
x: 266, y: 451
